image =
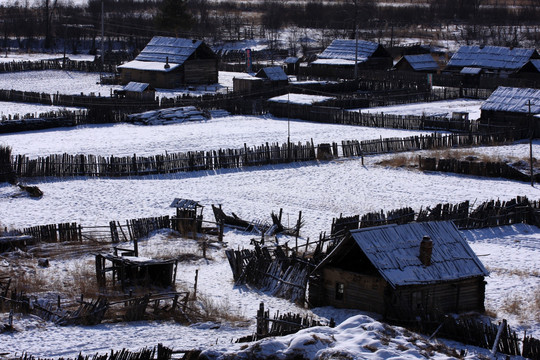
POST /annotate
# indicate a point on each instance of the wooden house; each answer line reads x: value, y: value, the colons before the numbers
x: 422, y: 63
x: 292, y: 65
x: 267, y: 78
x: 339, y: 58
x: 512, y: 107
x: 492, y: 60
x: 188, y: 215
x: 401, y: 271
x: 168, y: 62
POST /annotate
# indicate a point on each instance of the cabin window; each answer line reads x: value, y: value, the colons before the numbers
x: 340, y: 290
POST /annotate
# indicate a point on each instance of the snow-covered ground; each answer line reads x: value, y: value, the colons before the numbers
x: 9, y: 109
x: 321, y: 190
x: 76, y: 83
x: 439, y: 108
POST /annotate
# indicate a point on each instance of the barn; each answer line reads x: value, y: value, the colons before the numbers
x: 423, y: 63
x: 168, y: 62
x: 401, y: 271
x: 491, y: 60
x: 509, y: 106
x: 339, y: 58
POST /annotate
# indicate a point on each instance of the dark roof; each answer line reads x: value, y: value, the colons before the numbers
x: 513, y: 100
x: 394, y: 251
x: 471, y: 70
x: 274, y: 73
x: 492, y: 57
x: 345, y: 49
x: 422, y: 62
x: 177, y: 50
x: 185, y: 204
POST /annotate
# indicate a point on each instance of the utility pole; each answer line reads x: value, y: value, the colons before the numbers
x: 356, y: 39
x: 102, y: 34
x: 531, y: 132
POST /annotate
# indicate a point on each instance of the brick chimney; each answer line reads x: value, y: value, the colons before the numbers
x: 426, y: 248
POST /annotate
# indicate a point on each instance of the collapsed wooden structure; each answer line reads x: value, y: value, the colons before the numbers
x: 135, y: 271
x: 273, y: 271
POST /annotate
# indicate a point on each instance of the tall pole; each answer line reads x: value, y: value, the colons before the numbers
x: 356, y: 39
x: 531, y: 131
x: 102, y: 34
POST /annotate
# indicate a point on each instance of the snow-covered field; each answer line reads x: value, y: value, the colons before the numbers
x: 321, y: 190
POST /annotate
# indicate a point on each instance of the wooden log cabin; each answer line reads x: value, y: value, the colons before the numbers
x: 168, y: 62
x: 401, y: 271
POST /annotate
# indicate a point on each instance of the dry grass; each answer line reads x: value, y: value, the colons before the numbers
x: 411, y: 160
x: 217, y: 311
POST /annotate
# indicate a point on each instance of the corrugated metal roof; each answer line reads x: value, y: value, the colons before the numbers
x: 513, y: 100
x: 345, y: 49
x: 185, y: 204
x: 422, y: 62
x: 274, y: 73
x: 160, y: 48
x: 491, y: 57
x: 394, y: 251
x: 136, y: 86
x: 148, y: 65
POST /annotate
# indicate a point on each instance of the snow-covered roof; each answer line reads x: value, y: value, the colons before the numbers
x: 300, y: 99
x: 513, y: 100
x: 291, y: 60
x: 149, y: 66
x: 394, y: 251
x: 422, y: 62
x: 274, y: 73
x: 470, y: 70
x: 185, y: 204
x: 136, y: 86
x: 160, y: 48
x: 491, y: 57
x: 337, y: 61
x: 345, y: 49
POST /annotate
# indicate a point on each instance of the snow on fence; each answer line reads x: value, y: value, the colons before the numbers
x: 56, y: 64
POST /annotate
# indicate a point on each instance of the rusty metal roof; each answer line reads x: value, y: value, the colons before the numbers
x: 394, y: 251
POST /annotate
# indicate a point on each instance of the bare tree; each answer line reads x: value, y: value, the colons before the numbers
x: 49, y: 6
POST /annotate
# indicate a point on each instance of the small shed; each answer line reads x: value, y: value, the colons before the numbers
x: 274, y: 75
x: 139, y: 91
x: 339, y: 58
x: 423, y: 63
x: 292, y: 65
x: 135, y: 271
x: 401, y: 271
x: 512, y: 107
x: 168, y: 62
x: 189, y: 216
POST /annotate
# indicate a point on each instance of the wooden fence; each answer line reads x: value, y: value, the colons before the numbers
x: 65, y: 165
x: 56, y: 64
x: 476, y: 168
x: 488, y: 214
x: 280, y: 324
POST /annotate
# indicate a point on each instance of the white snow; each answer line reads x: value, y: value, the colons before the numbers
x: 301, y: 99
x: 321, y: 190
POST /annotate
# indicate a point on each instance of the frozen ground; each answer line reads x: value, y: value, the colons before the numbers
x: 9, y: 108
